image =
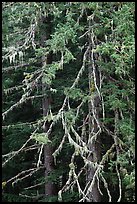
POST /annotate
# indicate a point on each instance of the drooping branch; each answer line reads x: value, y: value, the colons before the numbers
x: 17, y: 178
x: 24, y: 145
x: 16, y: 67
x: 24, y: 98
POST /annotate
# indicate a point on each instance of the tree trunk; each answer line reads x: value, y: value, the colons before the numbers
x: 93, y: 141
x: 50, y: 188
x: 94, y: 146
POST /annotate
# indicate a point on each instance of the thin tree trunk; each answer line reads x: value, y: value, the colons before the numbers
x: 93, y: 141
x: 50, y: 188
x: 94, y: 146
x: 48, y: 150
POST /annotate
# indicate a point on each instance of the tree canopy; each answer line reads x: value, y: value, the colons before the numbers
x: 68, y: 101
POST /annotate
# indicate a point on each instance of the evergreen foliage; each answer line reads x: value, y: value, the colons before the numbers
x: 90, y: 88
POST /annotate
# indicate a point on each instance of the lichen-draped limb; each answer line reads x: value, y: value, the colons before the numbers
x: 22, y: 148
x: 18, y: 177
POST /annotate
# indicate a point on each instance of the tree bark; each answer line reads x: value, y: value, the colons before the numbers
x: 50, y: 188
x: 93, y: 143
x: 94, y: 146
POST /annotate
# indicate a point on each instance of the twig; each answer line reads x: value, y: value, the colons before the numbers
x: 30, y: 187
x: 120, y: 183
x: 39, y: 159
x: 106, y: 186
